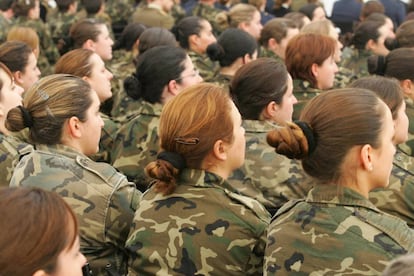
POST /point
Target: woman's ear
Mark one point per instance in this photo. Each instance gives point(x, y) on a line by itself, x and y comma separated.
point(370, 45)
point(74, 127)
point(220, 150)
point(407, 87)
point(366, 157)
point(89, 44)
point(315, 69)
point(172, 87)
point(40, 272)
point(270, 110)
point(17, 76)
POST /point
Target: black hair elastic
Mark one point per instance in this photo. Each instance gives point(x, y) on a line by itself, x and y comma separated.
point(310, 137)
point(174, 158)
point(27, 118)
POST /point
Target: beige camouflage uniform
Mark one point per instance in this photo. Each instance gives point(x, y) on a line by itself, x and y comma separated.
point(398, 198)
point(408, 146)
point(102, 199)
point(303, 92)
point(207, 68)
point(356, 62)
point(9, 157)
point(136, 143)
point(203, 228)
point(335, 231)
point(210, 14)
point(270, 178)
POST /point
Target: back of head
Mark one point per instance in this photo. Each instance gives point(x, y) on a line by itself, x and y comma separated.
point(15, 55)
point(308, 9)
point(401, 266)
point(6, 4)
point(84, 30)
point(63, 5)
point(155, 36)
point(155, 69)
point(92, 7)
point(331, 124)
point(307, 49)
point(129, 36)
point(24, 34)
point(318, 27)
point(37, 225)
point(237, 14)
point(397, 64)
point(298, 17)
point(48, 104)
point(256, 84)
point(371, 7)
point(388, 89)
point(190, 124)
point(277, 29)
point(75, 62)
point(22, 7)
point(405, 34)
point(186, 27)
point(365, 31)
point(231, 44)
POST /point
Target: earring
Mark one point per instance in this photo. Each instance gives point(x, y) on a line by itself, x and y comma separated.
point(370, 168)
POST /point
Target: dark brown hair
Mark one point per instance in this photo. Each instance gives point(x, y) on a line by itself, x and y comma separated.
point(397, 64)
point(15, 55)
point(276, 28)
point(37, 225)
point(338, 120)
point(190, 124)
point(304, 50)
point(258, 83)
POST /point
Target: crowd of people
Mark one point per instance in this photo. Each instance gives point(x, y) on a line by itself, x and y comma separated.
point(203, 137)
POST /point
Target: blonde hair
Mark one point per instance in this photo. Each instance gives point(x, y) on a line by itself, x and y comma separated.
point(26, 35)
point(239, 13)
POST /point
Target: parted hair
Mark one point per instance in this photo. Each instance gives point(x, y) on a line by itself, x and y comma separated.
point(397, 64)
point(37, 225)
point(277, 29)
point(50, 102)
point(129, 36)
point(191, 25)
point(155, 69)
point(201, 115)
point(15, 55)
point(155, 36)
point(307, 49)
point(339, 120)
point(388, 89)
point(76, 62)
point(237, 14)
point(256, 84)
point(84, 30)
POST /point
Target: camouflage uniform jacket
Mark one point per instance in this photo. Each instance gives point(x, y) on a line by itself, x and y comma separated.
point(264, 52)
point(203, 228)
point(357, 62)
point(122, 65)
point(102, 199)
point(106, 142)
point(408, 146)
point(270, 178)
point(4, 28)
point(153, 16)
point(9, 157)
point(222, 80)
point(136, 143)
point(397, 199)
point(207, 68)
point(304, 93)
point(48, 51)
point(335, 231)
point(61, 26)
point(343, 77)
point(210, 14)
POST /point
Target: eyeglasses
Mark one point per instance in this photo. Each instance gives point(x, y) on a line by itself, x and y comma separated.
point(194, 74)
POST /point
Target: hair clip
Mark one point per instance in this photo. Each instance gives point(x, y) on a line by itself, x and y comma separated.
point(43, 94)
point(187, 141)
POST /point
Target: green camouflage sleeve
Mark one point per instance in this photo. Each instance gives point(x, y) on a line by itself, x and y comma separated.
point(207, 68)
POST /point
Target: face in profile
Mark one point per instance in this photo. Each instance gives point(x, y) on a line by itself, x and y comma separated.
point(30, 75)
point(189, 76)
point(100, 78)
point(401, 125)
point(284, 110)
point(205, 37)
point(10, 96)
point(325, 73)
point(92, 127)
point(70, 261)
point(103, 43)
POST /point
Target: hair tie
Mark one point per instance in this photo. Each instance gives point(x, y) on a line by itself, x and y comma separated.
point(382, 65)
point(310, 137)
point(186, 141)
point(174, 158)
point(27, 118)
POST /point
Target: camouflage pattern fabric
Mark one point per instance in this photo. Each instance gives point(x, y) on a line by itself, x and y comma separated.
point(102, 199)
point(222, 80)
point(10, 148)
point(264, 52)
point(205, 66)
point(356, 62)
point(153, 16)
point(303, 92)
point(119, 10)
point(203, 228)
point(335, 231)
point(397, 199)
point(60, 27)
point(106, 142)
point(408, 146)
point(48, 51)
point(177, 12)
point(210, 14)
point(136, 143)
point(4, 28)
point(270, 178)
point(122, 65)
point(343, 77)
